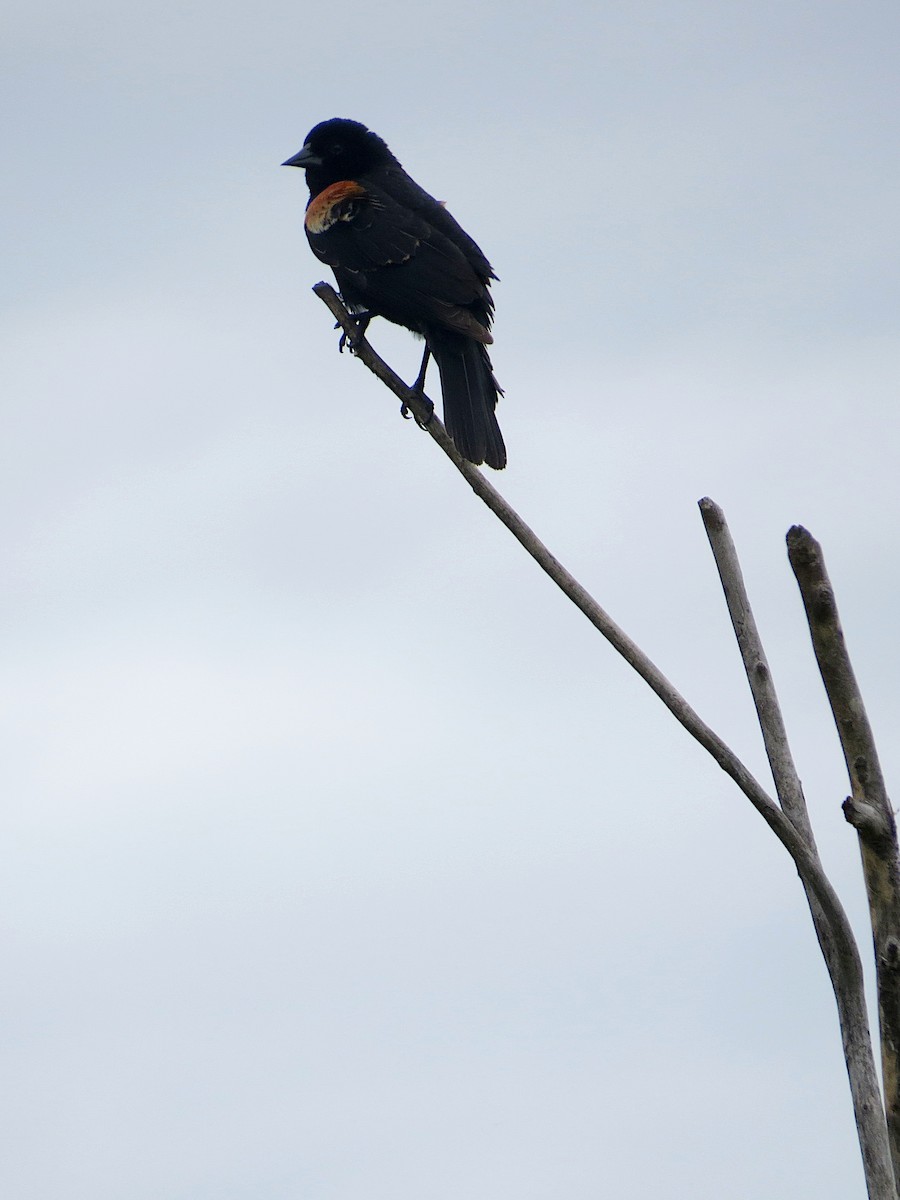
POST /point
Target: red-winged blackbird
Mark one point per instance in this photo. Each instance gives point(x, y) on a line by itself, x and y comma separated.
point(397, 253)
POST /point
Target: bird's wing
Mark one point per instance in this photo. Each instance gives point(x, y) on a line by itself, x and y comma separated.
point(401, 266)
point(404, 189)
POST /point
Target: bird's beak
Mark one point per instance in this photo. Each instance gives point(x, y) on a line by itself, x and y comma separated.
point(303, 158)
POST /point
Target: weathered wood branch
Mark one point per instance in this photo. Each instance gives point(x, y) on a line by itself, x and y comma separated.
point(846, 978)
point(868, 809)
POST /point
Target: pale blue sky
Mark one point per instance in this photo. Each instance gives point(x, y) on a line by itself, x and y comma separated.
point(341, 857)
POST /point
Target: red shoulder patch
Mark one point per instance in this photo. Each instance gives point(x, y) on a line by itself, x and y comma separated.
point(338, 202)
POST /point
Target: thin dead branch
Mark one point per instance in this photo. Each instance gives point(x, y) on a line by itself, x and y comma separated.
point(868, 809)
point(846, 979)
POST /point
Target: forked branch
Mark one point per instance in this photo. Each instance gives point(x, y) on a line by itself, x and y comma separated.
point(845, 976)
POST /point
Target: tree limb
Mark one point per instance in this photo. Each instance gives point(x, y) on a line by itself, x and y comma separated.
point(846, 980)
point(868, 809)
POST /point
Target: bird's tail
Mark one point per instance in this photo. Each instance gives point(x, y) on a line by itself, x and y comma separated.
point(470, 396)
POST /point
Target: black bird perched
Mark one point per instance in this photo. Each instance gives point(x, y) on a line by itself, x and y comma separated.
point(397, 253)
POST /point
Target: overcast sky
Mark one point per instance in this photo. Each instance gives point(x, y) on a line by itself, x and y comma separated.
point(342, 859)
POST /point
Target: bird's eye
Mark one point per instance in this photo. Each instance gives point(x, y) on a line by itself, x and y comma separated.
point(336, 149)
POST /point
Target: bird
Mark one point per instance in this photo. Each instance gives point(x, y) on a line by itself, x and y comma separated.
point(397, 253)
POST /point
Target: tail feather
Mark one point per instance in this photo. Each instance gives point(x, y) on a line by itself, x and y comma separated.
point(470, 396)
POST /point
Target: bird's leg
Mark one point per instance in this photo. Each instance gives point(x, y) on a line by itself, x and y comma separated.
point(362, 324)
point(419, 385)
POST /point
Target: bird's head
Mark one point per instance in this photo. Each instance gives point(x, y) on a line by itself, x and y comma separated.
point(339, 149)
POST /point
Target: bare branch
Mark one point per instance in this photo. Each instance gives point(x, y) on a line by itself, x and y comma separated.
point(759, 676)
point(854, 730)
point(846, 983)
point(868, 809)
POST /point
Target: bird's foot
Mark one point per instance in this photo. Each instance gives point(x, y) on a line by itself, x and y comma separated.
point(406, 414)
point(362, 324)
